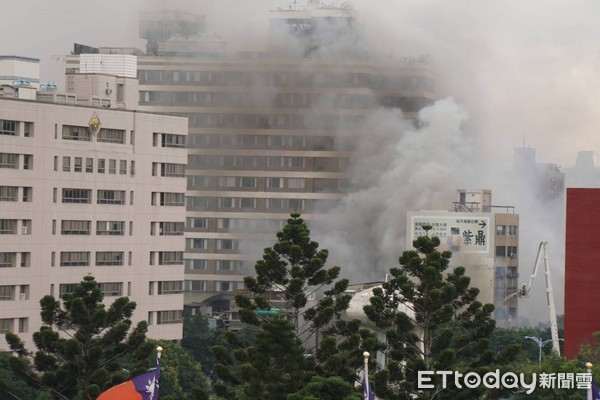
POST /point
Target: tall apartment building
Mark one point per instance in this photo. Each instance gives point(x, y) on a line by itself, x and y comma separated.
point(265, 129)
point(484, 239)
point(87, 190)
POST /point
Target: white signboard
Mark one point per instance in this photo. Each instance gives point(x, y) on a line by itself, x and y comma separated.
point(458, 232)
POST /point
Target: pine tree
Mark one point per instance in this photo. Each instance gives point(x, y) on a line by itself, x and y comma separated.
point(83, 348)
point(442, 327)
point(277, 364)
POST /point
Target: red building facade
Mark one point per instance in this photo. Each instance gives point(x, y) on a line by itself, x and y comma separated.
point(582, 268)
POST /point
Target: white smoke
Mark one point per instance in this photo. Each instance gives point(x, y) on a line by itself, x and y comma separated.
point(395, 167)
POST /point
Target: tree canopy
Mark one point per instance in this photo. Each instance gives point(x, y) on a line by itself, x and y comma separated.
point(443, 326)
point(83, 347)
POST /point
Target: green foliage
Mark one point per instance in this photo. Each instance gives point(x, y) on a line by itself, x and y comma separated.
point(277, 364)
point(198, 340)
point(82, 347)
point(334, 388)
point(181, 377)
point(432, 321)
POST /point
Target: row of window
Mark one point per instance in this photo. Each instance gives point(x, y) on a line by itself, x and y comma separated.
point(506, 251)
point(165, 317)
point(168, 169)
point(501, 230)
point(14, 193)
point(16, 161)
point(197, 161)
point(16, 128)
point(196, 202)
point(8, 324)
point(84, 227)
point(83, 258)
point(168, 140)
point(76, 195)
point(252, 99)
point(79, 166)
point(84, 133)
point(219, 286)
point(273, 121)
point(217, 265)
point(165, 287)
point(14, 292)
point(14, 226)
point(237, 225)
point(12, 259)
point(264, 141)
point(330, 185)
point(108, 289)
point(260, 78)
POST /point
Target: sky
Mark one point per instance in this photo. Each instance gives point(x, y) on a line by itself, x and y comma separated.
point(509, 74)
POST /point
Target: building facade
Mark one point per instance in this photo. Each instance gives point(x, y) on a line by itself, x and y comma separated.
point(265, 129)
point(582, 298)
point(87, 190)
point(484, 239)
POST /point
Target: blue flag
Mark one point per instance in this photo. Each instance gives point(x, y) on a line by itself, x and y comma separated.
point(595, 391)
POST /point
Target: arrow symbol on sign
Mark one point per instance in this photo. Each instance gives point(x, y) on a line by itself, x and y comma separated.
point(482, 224)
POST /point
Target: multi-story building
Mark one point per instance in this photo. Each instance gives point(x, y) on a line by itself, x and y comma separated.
point(88, 190)
point(267, 131)
point(484, 239)
point(15, 70)
point(545, 180)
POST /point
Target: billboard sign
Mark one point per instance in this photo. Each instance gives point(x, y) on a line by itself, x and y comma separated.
point(458, 232)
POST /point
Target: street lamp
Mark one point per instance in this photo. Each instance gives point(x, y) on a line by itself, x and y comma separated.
point(540, 344)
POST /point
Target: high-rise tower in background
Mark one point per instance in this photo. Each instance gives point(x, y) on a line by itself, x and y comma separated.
point(265, 128)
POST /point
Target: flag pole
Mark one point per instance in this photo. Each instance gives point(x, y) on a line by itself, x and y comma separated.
point(589, 370)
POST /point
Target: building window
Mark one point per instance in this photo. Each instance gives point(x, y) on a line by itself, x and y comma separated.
point(23, 324)
point(225, 244)
point(169, 317)
point(77, 164)
point(6, 325)
point(75, 227)
point(226, 181)
point(65, 288)
point(296, 183)
point(224, 223)
point(26, 227)
point(223, 286)
point(112, 166)
point(171, 199)
point(170, 287)
point(247, 202)
point(274, 183)
point(197, 181)
point(511, 251)
point(66, 164)
point(198, 202)
point(77, 195)
point(123, 167)
point(171, 228)
point(248, 182)
point(110, 227)
point(25, 259)
point(276, 204)
point(500, 251)
point(512, 230)
point(172, 140)
point(500, 230)
point(74, 258)
point(296, 162)
point(8, 226)
point(200, 223)
point(109, 258)
point(196, 265)
point(27, 161)
point(296, 204)
point(196, 286)
point(225, 202)
point(111, 289)
point(8, 260)
point(201, 244)
point(89, 165)
point(8, 127)
point(9, 193)
point(111, 197)
point(111, 136)
point(7, 292)
point(9, 160)
point(27, 194)
point(76, 133)
point(101, 165)
point(170, 257)
point(224, 265)
point(172, 170)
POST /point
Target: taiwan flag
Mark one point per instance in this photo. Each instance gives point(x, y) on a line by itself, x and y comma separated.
point(141, 387)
